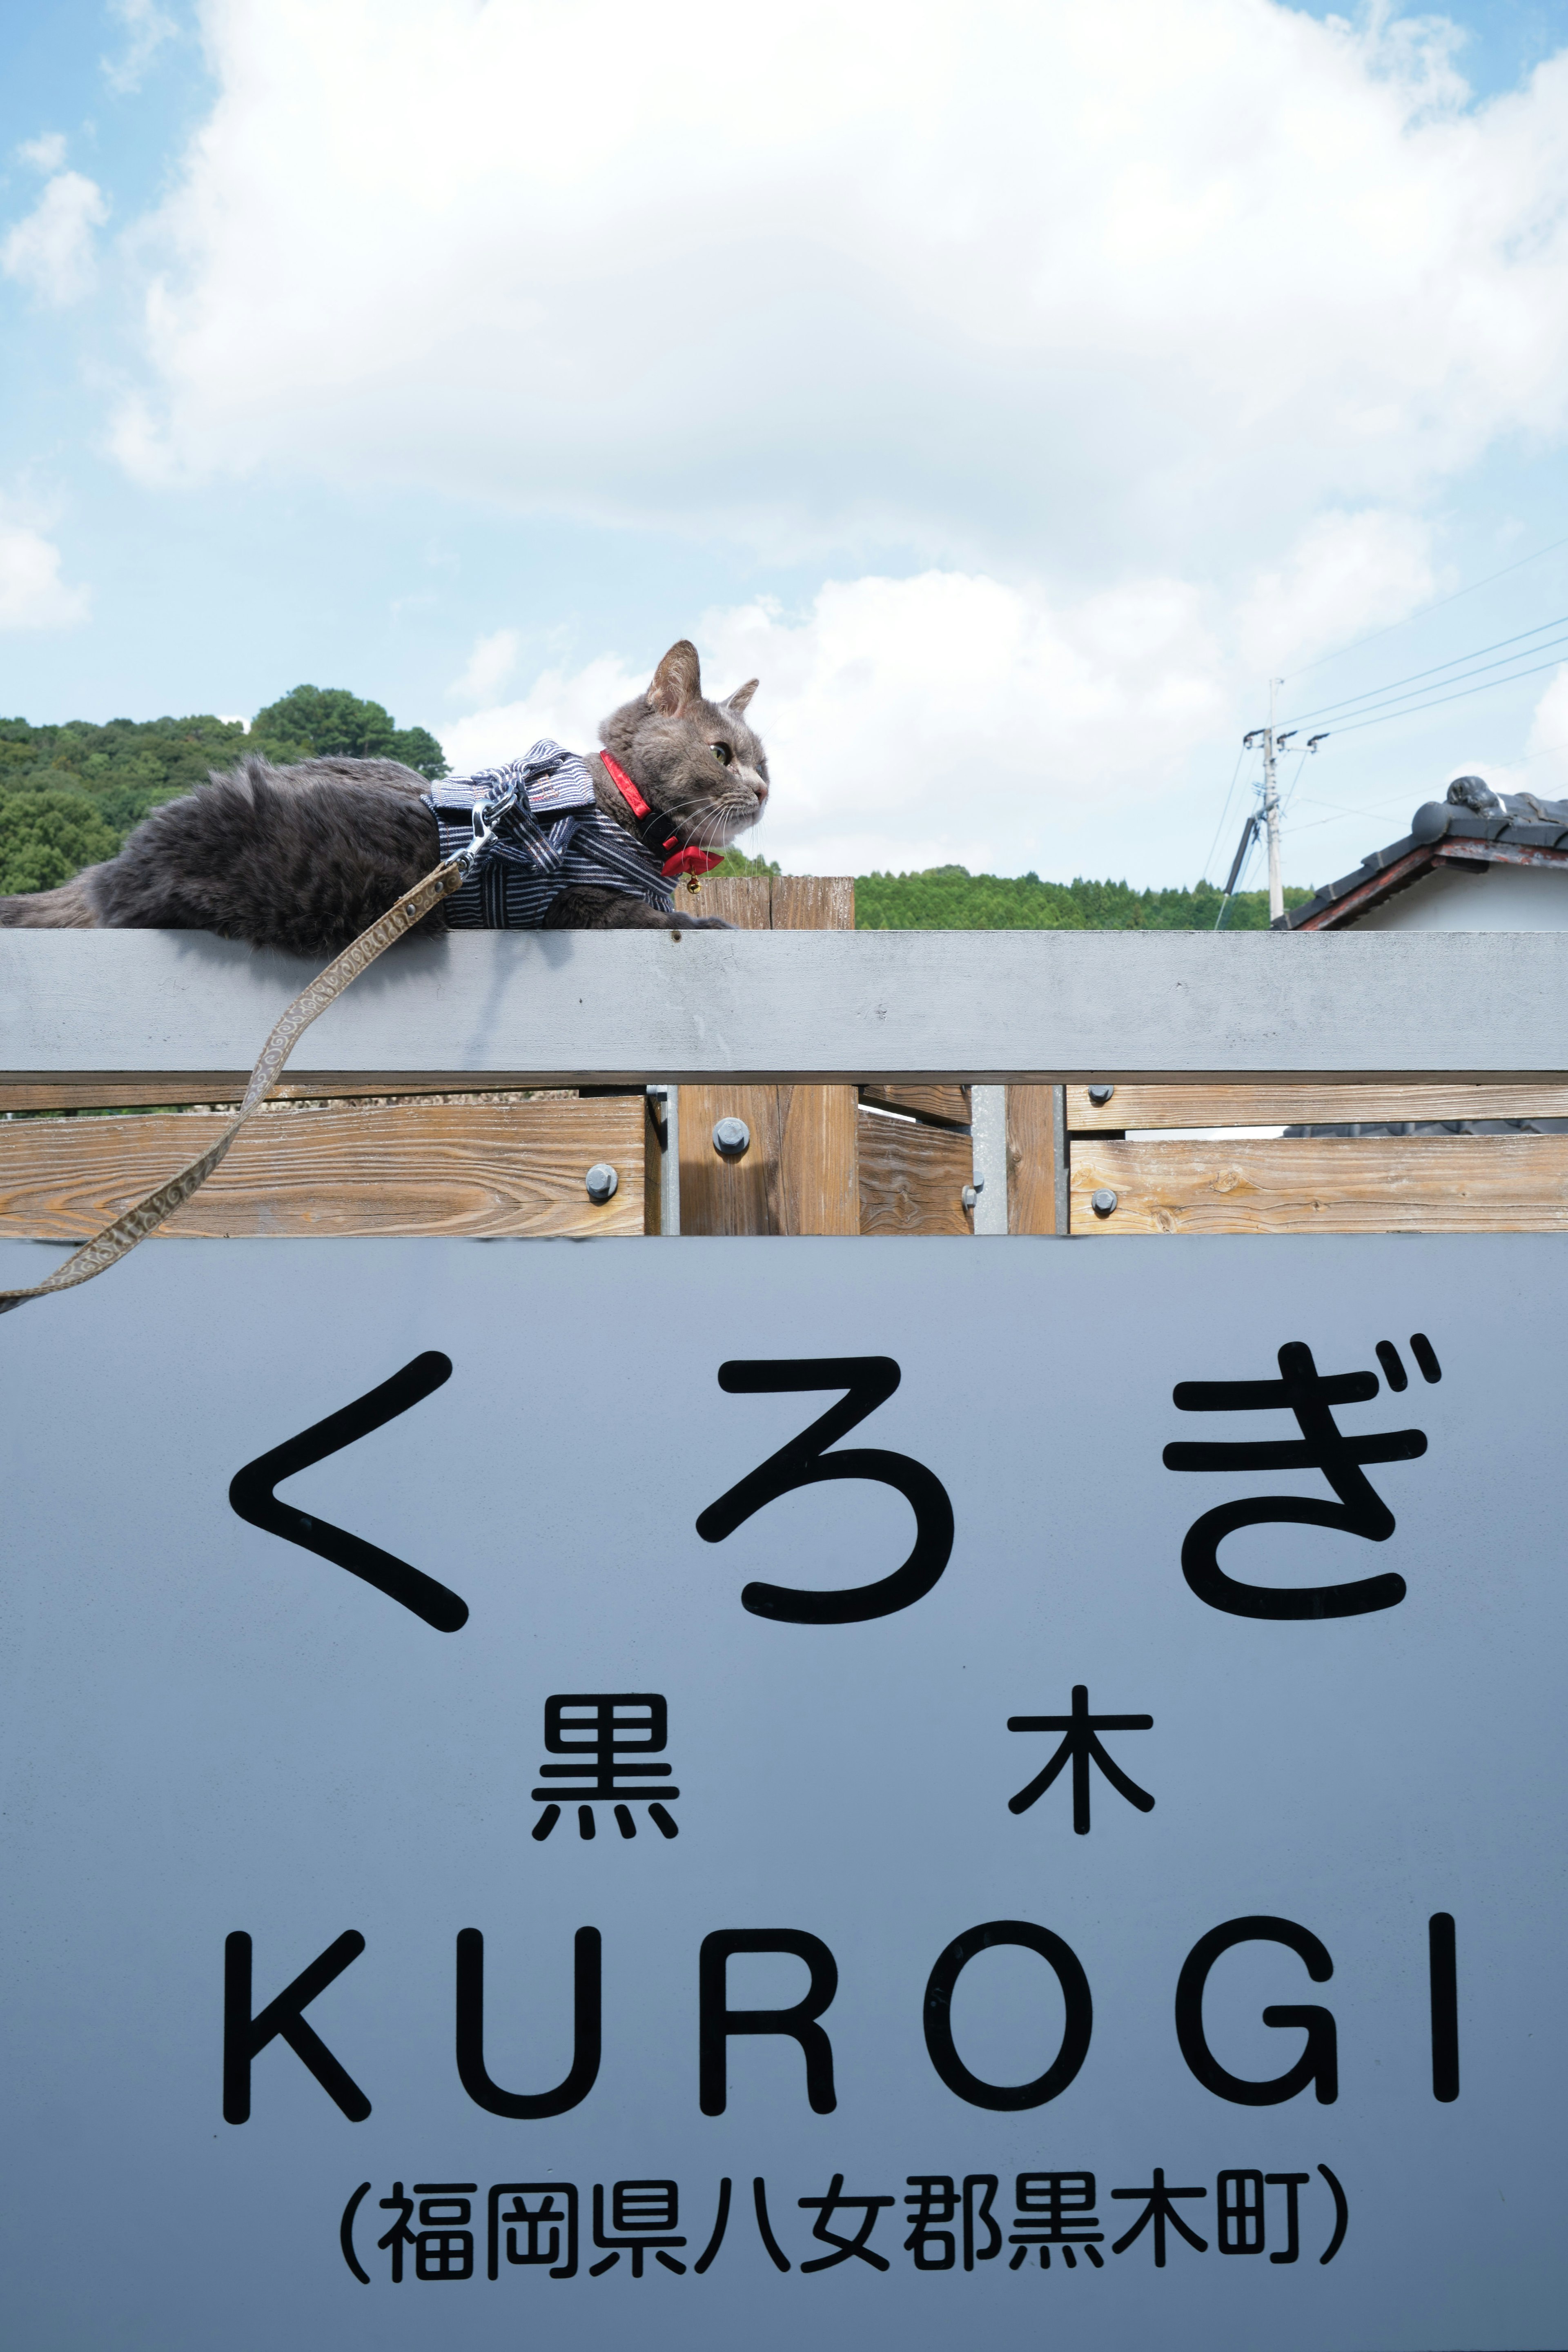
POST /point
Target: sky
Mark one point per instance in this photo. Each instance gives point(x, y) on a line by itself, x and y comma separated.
point(1015, 388)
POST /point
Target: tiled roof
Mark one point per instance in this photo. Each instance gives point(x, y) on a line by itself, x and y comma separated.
point(1471, 828)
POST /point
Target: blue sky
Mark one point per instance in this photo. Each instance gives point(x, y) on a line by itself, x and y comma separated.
point(1012, 387)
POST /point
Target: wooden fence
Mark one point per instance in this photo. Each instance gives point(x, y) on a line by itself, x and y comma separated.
point(463, 1152)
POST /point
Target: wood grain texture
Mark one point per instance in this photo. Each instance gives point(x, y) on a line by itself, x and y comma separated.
point(948, 1106)
point(411, 1169)
point(126, 1089)
point(728, 1196)
point(818, 1135)
point(655, 1137)
point(819, 1167)
point(813, 902)
point(1307, 1106)
point(799, 1174)
point(1405, 1184)
point(744, 899)
point(1031, 1159)
point(912, 1177)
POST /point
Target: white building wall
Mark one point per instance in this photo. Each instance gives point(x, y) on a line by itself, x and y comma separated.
point(1492, 899)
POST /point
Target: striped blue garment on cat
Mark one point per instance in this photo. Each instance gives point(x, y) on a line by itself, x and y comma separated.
point(561, 839)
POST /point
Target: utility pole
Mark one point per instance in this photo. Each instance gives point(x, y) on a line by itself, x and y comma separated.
point(1272, 742)
point(1271, 811)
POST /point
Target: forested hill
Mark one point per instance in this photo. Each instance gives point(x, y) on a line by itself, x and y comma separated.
point(951, 899)
point(70, 793)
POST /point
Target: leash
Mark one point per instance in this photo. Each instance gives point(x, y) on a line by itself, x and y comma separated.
point(116, 1241)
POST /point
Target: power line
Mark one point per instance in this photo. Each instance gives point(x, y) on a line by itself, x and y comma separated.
point(1374, 692)
point(1438, 700)
point(1291, 794)
point(1456, 679)
point(1342, 815)
point(1374, 634)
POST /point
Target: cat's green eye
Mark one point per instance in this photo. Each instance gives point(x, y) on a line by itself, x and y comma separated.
point(721, 753)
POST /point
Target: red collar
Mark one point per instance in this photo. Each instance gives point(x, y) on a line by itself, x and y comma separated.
point(658, 830)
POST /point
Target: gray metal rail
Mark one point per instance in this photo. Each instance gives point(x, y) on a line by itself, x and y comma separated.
point(566, 1008)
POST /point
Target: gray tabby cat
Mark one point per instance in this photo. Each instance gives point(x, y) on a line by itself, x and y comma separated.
point(305, 858)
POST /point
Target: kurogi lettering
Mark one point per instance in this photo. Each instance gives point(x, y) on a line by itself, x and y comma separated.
point(244, 2036)
point(598, 1732)
point(717, 2021)
point(1080, 1748)
point(868, 1382)
point(1360, 1511)
point(1007, 2098)
point(1317, 2063)
point(580, 2078)
point(251, 1494)
point(1159, 2209)
point(1056, 2209)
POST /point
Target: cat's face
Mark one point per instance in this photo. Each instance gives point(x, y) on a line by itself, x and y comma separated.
point(697, 761)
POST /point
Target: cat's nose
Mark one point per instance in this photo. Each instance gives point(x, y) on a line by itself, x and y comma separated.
point(760, 791)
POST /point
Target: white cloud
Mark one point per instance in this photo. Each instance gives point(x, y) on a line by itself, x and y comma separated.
point(45, 153)
point(32, 593)
point(565, 705)
point(1346, 575)
point(51, 251)
point(146, 30)
point(1545, 766)
point(944, 718)
point(1023, 283)
point(489, 667)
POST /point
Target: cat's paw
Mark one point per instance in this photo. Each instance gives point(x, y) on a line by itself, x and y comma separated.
point(702, 923)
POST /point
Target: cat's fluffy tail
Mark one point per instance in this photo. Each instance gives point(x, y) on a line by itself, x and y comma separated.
point(68, 908)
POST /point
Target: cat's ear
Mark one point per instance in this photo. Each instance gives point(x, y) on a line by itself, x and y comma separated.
point(741, 696)
point(677, 681)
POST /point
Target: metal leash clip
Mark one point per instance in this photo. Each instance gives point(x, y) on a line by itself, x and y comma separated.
point(488, 815)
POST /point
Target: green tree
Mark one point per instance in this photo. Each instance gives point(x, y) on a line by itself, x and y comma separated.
point(948, 898)
point(70, 793)
point(48, 836)
point(328, 720)
point(735, 861)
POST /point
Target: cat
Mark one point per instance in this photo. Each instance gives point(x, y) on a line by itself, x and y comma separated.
point(305, 858)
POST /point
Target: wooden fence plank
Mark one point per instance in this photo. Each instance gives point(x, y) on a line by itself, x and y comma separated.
point(744, 899)
point(819, 1168)
point(1031, 1159)
point(126, 1089)
point(728, 1196)
point(949, 1106)
point(656, 1143)
point(717, 1195)
point(820, 1173)
point(813, 902)
point(912, 1177)
point(800, 1174)
point(818, 1160)
point(1402, 1184)
point(415, 1168)
point(1307, 1106)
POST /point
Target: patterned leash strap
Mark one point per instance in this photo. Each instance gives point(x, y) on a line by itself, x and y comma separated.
point(108, 1247)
